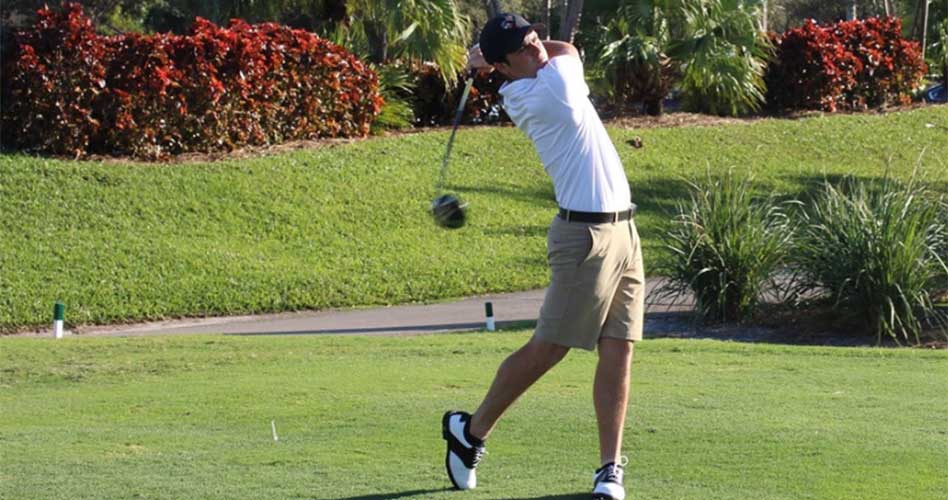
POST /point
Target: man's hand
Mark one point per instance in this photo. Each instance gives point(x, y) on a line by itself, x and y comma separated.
point(476, 61)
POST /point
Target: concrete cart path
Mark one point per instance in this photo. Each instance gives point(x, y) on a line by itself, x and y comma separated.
point(460, 315)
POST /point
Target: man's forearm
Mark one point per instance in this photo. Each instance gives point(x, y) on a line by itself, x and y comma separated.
point(557, 48)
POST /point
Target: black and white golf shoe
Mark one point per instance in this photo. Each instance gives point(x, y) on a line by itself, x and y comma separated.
point(464, 450)
point(607, 483)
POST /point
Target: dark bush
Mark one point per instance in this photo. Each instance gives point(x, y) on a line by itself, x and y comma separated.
point(434, 104)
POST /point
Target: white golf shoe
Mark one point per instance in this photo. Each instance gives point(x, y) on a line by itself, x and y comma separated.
point(464, 451)
point(607, 483)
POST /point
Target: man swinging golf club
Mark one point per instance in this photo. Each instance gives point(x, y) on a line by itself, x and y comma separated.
point(597, 287)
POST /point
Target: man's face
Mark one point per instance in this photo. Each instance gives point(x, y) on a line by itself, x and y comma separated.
point(525, 61)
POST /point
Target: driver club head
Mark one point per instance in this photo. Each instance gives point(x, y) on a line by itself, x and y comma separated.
point(449, 211)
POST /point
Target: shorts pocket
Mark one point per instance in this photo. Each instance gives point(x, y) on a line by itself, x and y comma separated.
point(566, 249)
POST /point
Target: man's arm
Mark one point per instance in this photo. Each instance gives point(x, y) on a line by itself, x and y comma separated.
point(557, 48)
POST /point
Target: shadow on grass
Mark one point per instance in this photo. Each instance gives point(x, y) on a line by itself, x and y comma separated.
point(659, 196)
point(539, 195)
point(812, 186)
point(423, 493)
point(566, 496)
point(420, 328)
point(529, 231)
point(399, 494)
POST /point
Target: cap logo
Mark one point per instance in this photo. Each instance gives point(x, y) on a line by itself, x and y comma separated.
point(508, 22)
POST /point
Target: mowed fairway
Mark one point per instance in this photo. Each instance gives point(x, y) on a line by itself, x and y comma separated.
point(347, 225)
point(358, 418)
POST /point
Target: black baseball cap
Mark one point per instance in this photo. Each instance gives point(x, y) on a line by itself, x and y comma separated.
point(504, 34)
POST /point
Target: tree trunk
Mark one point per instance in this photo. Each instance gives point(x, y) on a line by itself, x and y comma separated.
point(546, 17)
point(378, 41)
point(569, 19)
point(924, 29)
point(763, 16)
point(917, 18)
point(654, 107)
point(492, 7)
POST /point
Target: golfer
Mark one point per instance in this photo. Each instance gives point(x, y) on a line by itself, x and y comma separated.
point(597, 287)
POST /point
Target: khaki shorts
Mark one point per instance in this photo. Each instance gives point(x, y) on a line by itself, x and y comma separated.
point(597, 285)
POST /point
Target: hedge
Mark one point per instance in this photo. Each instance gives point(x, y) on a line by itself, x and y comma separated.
point(846, 65)
point(67, 90)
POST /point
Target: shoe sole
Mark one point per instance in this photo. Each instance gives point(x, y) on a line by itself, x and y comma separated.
point(445, 433)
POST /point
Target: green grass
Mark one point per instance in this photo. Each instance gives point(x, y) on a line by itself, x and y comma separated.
point(347, 225)
point(358, 417)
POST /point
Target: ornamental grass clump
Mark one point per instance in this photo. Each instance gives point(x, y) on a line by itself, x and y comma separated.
point(726, 248)
point(878, 254)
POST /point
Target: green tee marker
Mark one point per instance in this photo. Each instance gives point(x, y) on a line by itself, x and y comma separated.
point(59, 314)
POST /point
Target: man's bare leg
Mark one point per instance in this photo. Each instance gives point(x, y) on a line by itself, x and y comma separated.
point(514, 376)
point(611, 395)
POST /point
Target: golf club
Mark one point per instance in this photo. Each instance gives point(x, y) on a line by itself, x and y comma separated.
point(454, 129)
point(448, 210)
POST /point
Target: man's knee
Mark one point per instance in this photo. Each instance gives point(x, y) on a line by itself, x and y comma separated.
point(545, 353)
point(619, 349)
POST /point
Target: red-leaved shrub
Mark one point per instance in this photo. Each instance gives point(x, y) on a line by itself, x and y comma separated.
point(53, 78)
point(846, 65)
point(215, 89)
point(144, 109)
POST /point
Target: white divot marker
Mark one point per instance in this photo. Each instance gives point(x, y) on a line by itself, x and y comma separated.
point(59, 312)
point(273, 427)
point(489, 309)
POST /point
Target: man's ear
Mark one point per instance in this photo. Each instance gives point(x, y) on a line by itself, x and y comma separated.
point(502, 68)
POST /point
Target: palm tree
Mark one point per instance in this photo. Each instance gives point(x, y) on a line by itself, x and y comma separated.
point(724, 56)
point(629, 50)
point(715, 45)
point(413, 30)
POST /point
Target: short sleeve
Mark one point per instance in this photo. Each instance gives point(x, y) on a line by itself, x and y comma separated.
point(565, 79)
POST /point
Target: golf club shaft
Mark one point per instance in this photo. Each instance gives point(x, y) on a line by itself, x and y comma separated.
point(454, 129)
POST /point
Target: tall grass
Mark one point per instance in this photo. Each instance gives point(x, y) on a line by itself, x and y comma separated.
point(726, 247)
point(879, 254)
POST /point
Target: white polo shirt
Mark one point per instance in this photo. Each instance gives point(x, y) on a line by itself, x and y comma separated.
point(554, 111)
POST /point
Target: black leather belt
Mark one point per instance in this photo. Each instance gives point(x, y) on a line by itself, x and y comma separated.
point(597, 217)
